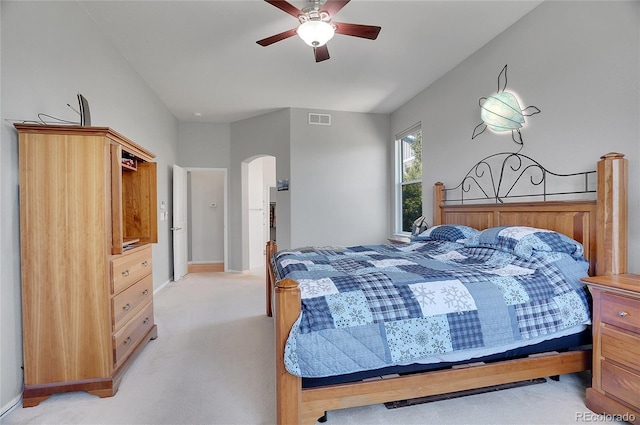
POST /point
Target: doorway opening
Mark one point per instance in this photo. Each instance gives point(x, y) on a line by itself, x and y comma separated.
point(259, 222)
point(200, 236)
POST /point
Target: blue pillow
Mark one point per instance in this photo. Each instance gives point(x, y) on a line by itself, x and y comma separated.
point(523, 241)
point(446, 232)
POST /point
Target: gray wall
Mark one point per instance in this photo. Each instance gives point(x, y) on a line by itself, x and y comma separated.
point(339, 179)
point(206, 222)
point(51, 51)
point(579, 62)
point(204, 144)
point(267, 134)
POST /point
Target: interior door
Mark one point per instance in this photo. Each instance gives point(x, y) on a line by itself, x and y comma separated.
point(179, 229)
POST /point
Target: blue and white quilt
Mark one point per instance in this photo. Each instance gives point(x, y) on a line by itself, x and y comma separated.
point(452, 290)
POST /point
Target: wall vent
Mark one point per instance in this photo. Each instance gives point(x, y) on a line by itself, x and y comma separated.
point(319, 119)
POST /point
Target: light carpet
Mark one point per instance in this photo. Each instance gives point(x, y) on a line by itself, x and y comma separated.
point(213, 363)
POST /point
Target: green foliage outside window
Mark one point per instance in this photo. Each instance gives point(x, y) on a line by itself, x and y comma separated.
point(411, 154)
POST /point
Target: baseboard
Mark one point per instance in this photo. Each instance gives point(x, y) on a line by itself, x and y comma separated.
point(161, 287)
point(11, 405)
point(205, 267)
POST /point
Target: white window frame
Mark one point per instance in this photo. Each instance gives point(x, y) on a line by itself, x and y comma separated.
point(398, 183)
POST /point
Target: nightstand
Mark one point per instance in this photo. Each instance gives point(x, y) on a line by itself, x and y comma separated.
point(615, 388)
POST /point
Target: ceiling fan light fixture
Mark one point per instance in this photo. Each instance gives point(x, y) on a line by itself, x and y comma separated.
point(316, 33)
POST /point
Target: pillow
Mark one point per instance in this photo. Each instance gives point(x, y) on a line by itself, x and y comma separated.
point(446, 232)
point(523, 241)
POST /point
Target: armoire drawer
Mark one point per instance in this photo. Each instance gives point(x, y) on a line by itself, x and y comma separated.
point(129, 268)
point(128, 338)
point(128, 302)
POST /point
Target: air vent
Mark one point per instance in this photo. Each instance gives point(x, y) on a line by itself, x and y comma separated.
point(319, 119)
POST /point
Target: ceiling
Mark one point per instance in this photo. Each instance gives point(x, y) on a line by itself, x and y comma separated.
point(201, 57)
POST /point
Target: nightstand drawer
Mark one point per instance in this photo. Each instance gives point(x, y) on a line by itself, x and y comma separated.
point(621, 383)
point(621, 347)
point(128, 302)
point(621, 311)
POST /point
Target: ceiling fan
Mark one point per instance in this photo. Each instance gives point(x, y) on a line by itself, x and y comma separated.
point(316, 27)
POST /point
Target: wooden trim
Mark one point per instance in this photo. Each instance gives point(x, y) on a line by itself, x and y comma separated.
point(117, 236)
point(438, 202)
point(205, 267)
point(288, 387)
point(272, 248)
point(601, 404)
point(576, 219)
point(612, 214)
point(32, 395)
point(605, 250)
point(130, 145)
point(318, 400)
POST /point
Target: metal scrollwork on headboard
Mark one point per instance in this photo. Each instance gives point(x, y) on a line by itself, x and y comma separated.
point(513, 175)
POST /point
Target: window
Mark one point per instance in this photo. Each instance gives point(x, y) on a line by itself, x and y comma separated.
point(409, 178)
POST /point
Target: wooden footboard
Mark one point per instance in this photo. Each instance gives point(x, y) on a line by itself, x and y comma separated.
point(607, 219)
point(296, 405)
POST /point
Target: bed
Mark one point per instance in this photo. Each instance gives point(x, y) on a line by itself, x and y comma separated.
point(598, 226)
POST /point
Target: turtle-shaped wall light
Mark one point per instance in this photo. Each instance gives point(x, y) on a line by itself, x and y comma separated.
point(501, 112)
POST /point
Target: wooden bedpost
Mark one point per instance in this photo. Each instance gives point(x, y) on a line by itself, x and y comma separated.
point(438, 200)
point(612, 215)
point(272, 248)
point(288, 387)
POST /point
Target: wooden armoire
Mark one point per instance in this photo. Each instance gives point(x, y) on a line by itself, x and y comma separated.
point(88, 217)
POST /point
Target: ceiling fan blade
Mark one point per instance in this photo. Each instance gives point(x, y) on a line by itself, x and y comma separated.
point(287, 7)
point(275, 38)
point(321, 53)
point(333, 6)
point(357, 30)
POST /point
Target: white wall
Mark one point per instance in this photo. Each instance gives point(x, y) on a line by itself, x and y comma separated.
point(51, 51)
point(579, 62)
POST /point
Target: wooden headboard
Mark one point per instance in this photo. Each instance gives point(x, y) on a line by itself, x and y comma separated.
point(600, 225)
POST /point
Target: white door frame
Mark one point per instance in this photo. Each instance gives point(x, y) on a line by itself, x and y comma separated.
point(246, 245)
point(179, 223)
point(225, 172)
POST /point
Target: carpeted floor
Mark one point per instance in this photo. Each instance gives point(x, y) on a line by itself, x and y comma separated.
point(213, 364)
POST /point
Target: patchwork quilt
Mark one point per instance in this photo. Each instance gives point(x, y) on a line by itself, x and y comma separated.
point(368, 307)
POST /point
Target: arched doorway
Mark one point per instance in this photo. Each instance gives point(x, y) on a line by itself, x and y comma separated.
point(258, 181)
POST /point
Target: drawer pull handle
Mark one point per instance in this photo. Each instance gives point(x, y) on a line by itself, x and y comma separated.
point(145, 263)
point(145, 292)
point(127, 307)
point(127, 341)
point(125, 273)
point(623, 314)
point(146, 321)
